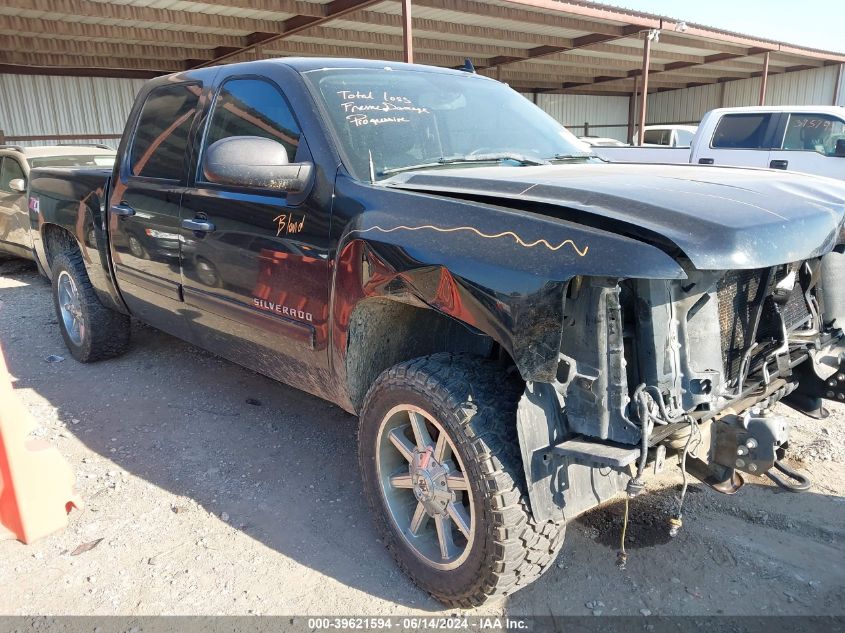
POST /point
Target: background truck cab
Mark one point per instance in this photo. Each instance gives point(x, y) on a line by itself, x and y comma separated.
point(808, 139)
point(666, 135)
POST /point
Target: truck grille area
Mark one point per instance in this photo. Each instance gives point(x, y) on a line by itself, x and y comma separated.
point(740, 295)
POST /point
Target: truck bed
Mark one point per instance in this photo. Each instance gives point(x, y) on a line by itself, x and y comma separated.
point(74, 199)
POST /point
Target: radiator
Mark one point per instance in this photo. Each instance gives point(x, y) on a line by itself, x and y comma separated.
point(740, 294)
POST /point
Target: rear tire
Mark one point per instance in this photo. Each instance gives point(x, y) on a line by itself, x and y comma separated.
point(499, 547)
point(90, 330)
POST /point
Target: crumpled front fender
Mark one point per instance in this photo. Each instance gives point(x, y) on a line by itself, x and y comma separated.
point(501, 271)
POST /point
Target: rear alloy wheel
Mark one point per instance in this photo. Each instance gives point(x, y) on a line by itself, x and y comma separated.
point(442, 472)
point(70, 308)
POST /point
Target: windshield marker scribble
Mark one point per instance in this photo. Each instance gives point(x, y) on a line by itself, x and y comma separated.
point(517, 238)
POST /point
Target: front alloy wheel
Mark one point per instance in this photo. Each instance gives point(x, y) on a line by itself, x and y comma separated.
point(442, 472)
point(425, 488)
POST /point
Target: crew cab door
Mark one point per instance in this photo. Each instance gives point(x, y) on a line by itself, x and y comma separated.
point(739, 139)
point(808, 143)
point(144, 207)
point(254, 260)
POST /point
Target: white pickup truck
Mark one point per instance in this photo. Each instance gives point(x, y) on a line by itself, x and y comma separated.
point(807, 139)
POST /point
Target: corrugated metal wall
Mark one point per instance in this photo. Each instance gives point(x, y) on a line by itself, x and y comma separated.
point(34, 105)
point(840, 98)
point(806, 87)
point(687, 105)
point(574, 111)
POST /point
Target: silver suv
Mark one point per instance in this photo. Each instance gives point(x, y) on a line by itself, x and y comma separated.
point(15, 164)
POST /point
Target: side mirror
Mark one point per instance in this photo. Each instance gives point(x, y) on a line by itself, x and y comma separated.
point(252, 161)
point(840, 148)
point(18, 184)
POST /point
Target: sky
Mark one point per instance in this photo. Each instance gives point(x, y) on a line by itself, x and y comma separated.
point(811, 23)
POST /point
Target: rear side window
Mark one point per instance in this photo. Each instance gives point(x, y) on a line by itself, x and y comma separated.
point(813, 133)
point(658, 137)
point(9, 170)
point(161, 137)
point(741, 131)
point(253, 107)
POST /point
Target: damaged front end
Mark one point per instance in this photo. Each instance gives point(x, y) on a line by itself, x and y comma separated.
point(690, 367)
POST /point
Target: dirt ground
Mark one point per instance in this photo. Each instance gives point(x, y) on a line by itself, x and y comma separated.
point(218, 491)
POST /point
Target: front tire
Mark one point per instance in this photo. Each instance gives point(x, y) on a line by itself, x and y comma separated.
point(90, 330)
point(442, 472)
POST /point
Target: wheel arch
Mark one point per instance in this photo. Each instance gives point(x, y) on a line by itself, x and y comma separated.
point(436, 307)
point(55, 238)
point(385, 331)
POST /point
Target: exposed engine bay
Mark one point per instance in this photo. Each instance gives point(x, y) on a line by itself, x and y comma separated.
point(689, 367)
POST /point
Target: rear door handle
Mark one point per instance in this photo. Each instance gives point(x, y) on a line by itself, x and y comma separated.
point(202, 226)
point(122, 209)
point(779, 164)
point(706, 161)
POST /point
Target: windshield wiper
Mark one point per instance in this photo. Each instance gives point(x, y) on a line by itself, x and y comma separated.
point(468, 159)
point(577, 156)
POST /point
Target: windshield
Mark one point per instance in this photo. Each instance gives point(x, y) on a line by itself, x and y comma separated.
point(406, 119)
point(73, 160)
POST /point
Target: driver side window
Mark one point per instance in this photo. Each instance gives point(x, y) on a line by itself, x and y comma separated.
point(9, 171)
point(253, 107)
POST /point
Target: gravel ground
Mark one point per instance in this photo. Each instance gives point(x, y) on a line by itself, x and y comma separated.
point(210, 489)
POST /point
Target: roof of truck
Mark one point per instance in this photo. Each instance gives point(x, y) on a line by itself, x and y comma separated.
point(309, 64)
point(304, 64)
point(839, 110)
point(672, 126)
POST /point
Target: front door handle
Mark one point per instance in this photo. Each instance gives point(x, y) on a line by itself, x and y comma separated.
point(203, 226)
point(122, 209)
point(706, 161)
point(779, 164)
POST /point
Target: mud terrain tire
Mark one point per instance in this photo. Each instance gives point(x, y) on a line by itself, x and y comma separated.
point(475, 402)
point(104, 333)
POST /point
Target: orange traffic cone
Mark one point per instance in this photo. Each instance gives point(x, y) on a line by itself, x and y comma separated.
point(36, 483)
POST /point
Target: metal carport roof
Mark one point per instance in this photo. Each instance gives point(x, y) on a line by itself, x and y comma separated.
point(535, 45)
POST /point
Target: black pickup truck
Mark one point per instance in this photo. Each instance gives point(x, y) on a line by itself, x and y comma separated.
point(522, 328)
